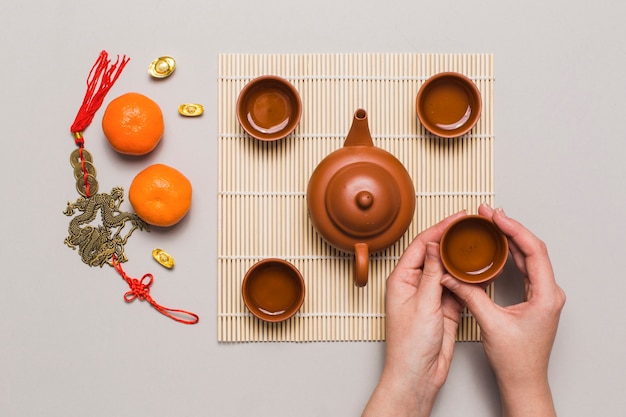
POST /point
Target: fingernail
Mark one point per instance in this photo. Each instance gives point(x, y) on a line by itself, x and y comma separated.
point(500, 211)
point(448, 281)
point(485, 204)
point(432, 249)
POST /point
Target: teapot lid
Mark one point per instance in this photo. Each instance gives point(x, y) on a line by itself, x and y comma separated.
point(359, 199)
point(361, 194)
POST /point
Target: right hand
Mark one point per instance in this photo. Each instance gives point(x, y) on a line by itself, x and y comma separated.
point(518, 339)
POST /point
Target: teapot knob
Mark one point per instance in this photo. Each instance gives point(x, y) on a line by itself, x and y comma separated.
point(364, 199)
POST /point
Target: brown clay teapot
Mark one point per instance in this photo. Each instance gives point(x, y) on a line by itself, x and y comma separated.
point(360, 198)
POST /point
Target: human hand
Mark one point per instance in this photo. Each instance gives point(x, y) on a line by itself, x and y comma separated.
point(518, 339)
point(422, 320)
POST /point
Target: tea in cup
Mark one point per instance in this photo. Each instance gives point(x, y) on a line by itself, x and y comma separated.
point(273, 290)
point(473, 249)
point(448, 104)
point(269, 108)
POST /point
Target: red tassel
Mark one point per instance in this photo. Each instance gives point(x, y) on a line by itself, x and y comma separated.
point(101, 78)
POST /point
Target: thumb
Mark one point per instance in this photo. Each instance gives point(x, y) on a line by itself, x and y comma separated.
point(429, 286)
point(474, 297)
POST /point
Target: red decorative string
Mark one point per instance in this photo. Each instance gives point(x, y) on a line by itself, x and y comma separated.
point(101, 78)
point(140, 288)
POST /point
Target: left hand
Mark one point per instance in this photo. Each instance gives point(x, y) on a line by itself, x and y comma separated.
point(422, 320)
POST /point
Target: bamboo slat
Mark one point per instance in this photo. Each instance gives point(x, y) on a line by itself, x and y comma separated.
point(262, 186)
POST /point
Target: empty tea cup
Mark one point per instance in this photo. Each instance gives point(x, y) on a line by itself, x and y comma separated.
point(448, 104)
point(473, 249)
point(269, 108)
point(273, 290)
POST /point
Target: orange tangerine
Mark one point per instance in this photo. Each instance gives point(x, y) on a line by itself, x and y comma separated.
point(160, 195)
point(133, 124)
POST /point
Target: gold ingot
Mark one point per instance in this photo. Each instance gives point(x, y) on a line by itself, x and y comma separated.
point(190, 109)
point(163, 258)
point(162, 67)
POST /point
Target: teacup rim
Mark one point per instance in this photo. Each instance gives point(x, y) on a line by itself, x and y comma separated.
point(496, 269)
point(475, 114)
point(297, 102)
point(298, 302)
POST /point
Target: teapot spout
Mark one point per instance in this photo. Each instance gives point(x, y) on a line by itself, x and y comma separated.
point(359, 134)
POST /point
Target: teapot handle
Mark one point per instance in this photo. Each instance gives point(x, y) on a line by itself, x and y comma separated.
point(361, 264)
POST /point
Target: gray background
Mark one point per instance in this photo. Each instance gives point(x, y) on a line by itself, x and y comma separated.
point(70, 346)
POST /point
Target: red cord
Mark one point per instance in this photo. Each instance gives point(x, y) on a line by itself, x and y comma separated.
point(101, 78)
point(140, 288)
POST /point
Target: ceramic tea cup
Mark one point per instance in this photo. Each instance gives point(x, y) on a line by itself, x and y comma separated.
point(448, 104)
point(473, 249)
point(269, 108)
point(273, 290)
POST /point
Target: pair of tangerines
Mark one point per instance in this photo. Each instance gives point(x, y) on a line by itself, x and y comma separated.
point(133, 125)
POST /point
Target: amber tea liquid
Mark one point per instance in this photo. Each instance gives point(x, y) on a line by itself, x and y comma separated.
point(473, 248)
point(270, 110)
point(273, 290)
point(448, 105)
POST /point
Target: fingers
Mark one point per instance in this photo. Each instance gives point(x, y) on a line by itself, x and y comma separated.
point(429, 286)
point(452, 305)
point(414, 255)
point(518, 256)
point(474, 297)
point(536, 260)
point(485, 210)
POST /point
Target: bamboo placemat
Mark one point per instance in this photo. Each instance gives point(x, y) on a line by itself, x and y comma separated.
point(262, 186)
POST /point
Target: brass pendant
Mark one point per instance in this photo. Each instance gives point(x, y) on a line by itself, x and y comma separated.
point(81, 168)
point(97, 244)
